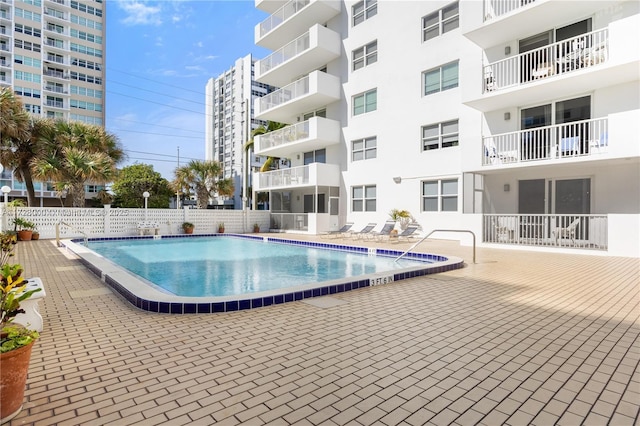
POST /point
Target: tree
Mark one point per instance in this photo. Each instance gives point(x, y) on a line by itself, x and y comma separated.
point(132, 181)
point(271, 127)
point(74, 153)
point(203, 177)
point(20, 139)
point(268, 164)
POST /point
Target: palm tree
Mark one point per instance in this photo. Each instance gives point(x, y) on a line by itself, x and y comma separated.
point(248, 147)
point(204, 178)
point(19, 139)
point(74, 153)
point(271, 127)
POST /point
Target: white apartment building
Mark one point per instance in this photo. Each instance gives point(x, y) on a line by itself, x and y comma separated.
point(518, 120)
point(229, 98)
point(52, 54)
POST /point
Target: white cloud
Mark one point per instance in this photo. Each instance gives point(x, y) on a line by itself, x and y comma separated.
point(139, 13)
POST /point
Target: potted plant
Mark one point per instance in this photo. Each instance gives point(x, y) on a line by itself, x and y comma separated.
point(24, 228)
point(35, 235)
point(187, 227)
point(221, 228)
point(401, 216)
point(16, 340)
point(256, 228)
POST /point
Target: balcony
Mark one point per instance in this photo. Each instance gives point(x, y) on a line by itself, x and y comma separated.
point(270, 6)
point(56, 44)
point(567, 56)
point(579, 139)
point(56, 89)
point(56, 74)
point(56, 14)
point(54, 104)
point(308, 52)
point(320, 174)
point(580, 231)
point(57, 59)
point(315, 133)
point(292, 20)
point(311, 92)
point(494, 22)
point(594, 60)
point(5, 79)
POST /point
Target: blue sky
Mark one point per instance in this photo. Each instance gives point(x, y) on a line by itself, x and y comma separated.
point(160, 55)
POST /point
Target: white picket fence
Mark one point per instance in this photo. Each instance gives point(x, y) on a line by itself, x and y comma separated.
point(110, 222)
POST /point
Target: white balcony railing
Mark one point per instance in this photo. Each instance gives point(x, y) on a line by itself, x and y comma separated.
point(583, 51)
point(281, 15)
point(284, 177)
point(585, 231)
point(285, 135)
point(495, 8)
point(294, 90)
point(285, 53)
point(560, 141)
point(289, 221)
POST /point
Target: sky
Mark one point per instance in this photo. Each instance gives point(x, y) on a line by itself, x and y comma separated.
point(159, 57)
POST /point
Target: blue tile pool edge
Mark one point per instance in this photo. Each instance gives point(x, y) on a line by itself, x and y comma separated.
point(146, 297)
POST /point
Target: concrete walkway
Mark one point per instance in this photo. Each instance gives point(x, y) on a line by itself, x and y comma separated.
point(518, 338)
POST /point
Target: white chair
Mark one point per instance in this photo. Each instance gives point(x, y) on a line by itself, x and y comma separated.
point(568, 232)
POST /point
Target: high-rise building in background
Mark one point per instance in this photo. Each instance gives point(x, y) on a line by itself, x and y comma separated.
point(52, 54)
point(517, 120)
point(230, 120)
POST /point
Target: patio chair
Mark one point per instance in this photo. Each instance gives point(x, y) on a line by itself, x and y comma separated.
point(363, 232)
point(336, 234)
point(407, 234)
point(384, 232)
point(568, 232)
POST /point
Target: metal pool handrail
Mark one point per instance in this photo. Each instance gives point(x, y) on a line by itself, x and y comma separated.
point(86, 239)
point(442, 230)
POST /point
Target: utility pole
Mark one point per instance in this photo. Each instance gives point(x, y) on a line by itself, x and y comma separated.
point(178, 189)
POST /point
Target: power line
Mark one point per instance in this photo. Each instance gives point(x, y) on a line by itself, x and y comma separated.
point(159, 93)
point(157, 134)
point(159, 103)
point(158, 125)
point(155, 81)
point(161, 155)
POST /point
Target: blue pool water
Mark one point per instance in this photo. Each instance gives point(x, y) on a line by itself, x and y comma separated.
point(215, 266)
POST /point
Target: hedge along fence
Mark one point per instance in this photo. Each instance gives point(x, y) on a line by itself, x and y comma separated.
point(112, 222)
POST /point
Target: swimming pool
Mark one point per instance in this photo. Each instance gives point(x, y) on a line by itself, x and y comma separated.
point(171, 274)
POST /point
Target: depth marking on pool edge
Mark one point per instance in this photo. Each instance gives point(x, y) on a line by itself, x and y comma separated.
point(386, 279)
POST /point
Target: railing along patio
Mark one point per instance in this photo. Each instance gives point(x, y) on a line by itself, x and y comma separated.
point(583, 51)
point(584, 231)
point(285, 135)
point(289, 92)
point(288, 51)
point(495, 8)
point(281, 15)
point(560, 141)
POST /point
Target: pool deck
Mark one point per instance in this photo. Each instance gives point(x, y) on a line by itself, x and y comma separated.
point(520, 337)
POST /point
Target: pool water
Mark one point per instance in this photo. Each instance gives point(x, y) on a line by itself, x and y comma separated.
point(214, 266)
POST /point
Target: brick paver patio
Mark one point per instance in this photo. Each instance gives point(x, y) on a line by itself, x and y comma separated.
point(519, 338)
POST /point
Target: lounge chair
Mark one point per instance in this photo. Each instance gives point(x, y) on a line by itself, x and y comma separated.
point(363, 232)
point(568, 232)
point(384, 232)
point(408, 233)
point(336, 234)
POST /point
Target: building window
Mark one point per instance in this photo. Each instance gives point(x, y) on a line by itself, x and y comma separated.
point(364, 10)
point(365, 102)
point(366, 55)
point(363, 149)
point(317, 156)
point(440, 135)
point(440, 195)
point(442, 78)
point(363, 198)
point(440, 22)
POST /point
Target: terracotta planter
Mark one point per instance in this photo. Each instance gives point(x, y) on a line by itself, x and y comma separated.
point(25, 235)
point(35, 236)
point(188, 230)
point(256, 229)
point(13, 379)
point(220, 230)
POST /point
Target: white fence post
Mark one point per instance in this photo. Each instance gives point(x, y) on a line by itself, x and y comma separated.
point(107, 219)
